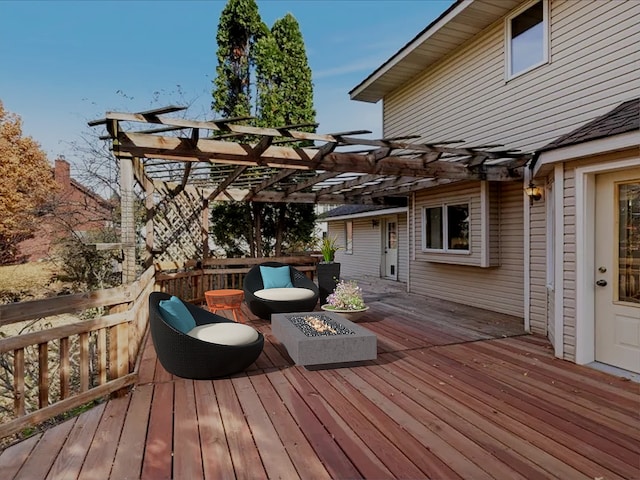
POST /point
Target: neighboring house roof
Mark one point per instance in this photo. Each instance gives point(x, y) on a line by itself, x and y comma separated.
point(90, 193)
point(462, 21)
point(622, 119)
point(359, 211)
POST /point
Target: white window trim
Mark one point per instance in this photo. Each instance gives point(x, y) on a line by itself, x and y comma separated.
point(445, 231)
point(545, 39)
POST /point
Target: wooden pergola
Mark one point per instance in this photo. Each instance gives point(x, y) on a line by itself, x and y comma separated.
point(220, 160)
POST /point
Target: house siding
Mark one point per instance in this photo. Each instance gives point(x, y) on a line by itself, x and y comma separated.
point(366, 258)
point(538, 268)
point(499, 289)
point(593, 68)
point(569, 255)
point(569, 265)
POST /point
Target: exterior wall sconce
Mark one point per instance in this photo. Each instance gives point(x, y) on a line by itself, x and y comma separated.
point(375, 222)
point(533, 192)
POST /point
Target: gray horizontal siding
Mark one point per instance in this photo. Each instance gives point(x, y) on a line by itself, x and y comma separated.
point(594, 66)
point(500, 289)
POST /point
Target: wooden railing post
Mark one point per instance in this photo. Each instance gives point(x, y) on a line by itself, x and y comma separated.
point(43, 382)
point(18, 381)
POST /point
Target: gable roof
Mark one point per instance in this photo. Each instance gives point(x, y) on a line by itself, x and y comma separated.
point(461, 22)
point(622, 119)
point(616, 130)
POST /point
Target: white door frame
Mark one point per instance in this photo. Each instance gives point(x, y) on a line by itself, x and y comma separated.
point(585, 189)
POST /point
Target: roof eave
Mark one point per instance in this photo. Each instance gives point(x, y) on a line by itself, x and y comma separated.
point(588, 149)
point(427, 49)
point(366, 90)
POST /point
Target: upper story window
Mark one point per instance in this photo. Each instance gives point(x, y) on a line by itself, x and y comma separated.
point(446, 228)
point(527, 38)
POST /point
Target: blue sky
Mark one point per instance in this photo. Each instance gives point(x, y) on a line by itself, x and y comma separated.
point(67, 62)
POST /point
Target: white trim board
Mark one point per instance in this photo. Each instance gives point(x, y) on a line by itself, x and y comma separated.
point(588, 149)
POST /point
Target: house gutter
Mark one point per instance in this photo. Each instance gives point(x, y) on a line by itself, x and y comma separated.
point(372, 213)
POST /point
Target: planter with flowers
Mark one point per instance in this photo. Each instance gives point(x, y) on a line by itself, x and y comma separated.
point(346, 300)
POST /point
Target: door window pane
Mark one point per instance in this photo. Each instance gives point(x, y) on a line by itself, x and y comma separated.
point(629, 242)
point(392, 236)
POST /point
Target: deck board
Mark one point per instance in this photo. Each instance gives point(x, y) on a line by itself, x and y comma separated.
point(455, 393)
point(41, 458)
point(157, 463)
point(102, 451)
point(69, 462)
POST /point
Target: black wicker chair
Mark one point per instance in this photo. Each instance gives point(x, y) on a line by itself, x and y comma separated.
point(264, 308)
point(189, 357)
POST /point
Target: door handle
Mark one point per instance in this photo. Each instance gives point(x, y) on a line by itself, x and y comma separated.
point(601, 283)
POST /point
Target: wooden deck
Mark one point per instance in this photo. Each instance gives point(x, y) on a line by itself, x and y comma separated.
point(455, 392)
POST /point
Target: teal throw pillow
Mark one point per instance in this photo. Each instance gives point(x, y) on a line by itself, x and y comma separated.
point(176, 314)
point(276, 277)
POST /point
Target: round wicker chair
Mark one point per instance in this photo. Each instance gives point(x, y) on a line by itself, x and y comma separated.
point(189, 357)
point(264, 308)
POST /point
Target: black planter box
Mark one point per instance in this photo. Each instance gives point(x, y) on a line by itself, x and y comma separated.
point(328, 278)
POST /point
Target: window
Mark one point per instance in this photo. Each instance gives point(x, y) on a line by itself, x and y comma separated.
point(527, 33)
point(348, 235)
point(446, 228)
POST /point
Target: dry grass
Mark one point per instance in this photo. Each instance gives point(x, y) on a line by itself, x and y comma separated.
point(28, 281)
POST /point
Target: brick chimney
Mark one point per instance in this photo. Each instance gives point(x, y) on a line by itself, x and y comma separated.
point(62, 173)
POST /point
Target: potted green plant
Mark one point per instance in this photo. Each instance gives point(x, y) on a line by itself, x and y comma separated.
point(346, 299)
point(328, 248)
point(328, 269)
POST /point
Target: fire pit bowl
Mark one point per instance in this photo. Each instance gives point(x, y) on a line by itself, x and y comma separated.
point(319, 338)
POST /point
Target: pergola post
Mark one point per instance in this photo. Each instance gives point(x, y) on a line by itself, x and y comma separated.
point(128, 229)
point(205, 227)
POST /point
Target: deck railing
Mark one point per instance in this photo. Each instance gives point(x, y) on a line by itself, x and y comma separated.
point(89, 347)
point(189, 281)
point(74, 360)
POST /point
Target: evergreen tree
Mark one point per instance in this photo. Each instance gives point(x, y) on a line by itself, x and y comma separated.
point(239, 28)
point(283, 76)
point(284, 96)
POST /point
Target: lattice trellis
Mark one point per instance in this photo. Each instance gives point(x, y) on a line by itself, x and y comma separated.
point(178, 228)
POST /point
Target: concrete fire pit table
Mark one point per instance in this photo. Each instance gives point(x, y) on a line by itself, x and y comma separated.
point(341, 341)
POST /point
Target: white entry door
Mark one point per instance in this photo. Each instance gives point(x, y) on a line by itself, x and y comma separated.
point(390, 253)
point(617, 263)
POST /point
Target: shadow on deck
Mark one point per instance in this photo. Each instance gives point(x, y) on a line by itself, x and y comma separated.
point(456, 392)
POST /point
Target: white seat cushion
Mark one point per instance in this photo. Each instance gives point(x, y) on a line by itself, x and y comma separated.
point(284, 294)
point(226, 333)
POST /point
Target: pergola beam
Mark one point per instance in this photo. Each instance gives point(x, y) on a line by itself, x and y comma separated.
point(275, 178)
point(179, 149)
